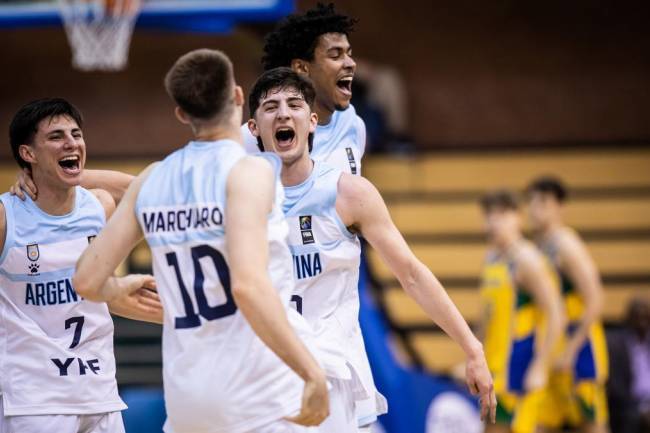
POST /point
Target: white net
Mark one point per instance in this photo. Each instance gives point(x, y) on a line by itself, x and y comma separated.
point(99, 32)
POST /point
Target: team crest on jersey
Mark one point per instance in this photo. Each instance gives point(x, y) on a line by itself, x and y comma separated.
point(91, 237)
point(32, 252)
point(305, 229)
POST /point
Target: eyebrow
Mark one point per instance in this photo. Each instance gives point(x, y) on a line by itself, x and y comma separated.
point(340, 48)
point(62, 131)
point(289, 99)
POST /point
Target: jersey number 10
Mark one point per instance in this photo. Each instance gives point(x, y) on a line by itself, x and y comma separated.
point(208, 312)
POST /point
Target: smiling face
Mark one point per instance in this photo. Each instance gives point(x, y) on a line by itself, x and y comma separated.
point(57, 153)
point(284, 121)
point(332, 71)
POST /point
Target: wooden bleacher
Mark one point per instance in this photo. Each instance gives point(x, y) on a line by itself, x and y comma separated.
point(433, 200)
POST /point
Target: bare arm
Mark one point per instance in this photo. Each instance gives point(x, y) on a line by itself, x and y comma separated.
point(3, 226)
point(576, 262)
point(361, 207)
point(93, 277)
point(533, 277)
point(113, 182)
point(250, 192)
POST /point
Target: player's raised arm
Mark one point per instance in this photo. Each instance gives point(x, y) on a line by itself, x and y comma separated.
point(250, 192)
point(534, 278)
point(111, 181)
point(362, 209)
point(93, 277)
point(576, 262)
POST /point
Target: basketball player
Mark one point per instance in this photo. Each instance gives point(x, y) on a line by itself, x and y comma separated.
point(57, 369)
point(578, 393)
point(315, 44)
point(327, 210)
point(212, 218)
point(523, 316)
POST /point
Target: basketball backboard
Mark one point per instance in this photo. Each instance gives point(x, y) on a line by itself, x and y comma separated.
point(211, 16)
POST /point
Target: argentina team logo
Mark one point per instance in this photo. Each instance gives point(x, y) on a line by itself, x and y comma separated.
point(32, 252)
point(305, 229)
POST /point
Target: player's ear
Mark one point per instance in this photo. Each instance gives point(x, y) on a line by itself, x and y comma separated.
point(313, 121)
point(26, 152)
point(252, 127)
point(300, 66)
point(239, 96)
point(181, 116)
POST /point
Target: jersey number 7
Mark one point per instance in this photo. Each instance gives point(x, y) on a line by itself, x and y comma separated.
point(208, 312)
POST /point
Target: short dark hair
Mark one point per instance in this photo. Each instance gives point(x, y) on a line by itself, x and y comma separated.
point(503, 199)
point(549, 185)
point(280, 79)
point(200, 83)
point(24, 124)
point(296, 36)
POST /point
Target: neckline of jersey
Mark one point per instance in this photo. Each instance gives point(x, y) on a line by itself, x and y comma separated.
point(56, 217)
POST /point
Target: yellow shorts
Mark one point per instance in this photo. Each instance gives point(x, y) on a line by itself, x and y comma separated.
point(520, 412)
point(573, 404)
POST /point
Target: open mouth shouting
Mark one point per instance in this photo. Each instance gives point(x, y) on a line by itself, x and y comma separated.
point(71, 165)
point(344, 85)
point(284, 136)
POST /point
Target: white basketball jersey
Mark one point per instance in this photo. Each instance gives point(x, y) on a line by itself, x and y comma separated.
point(56, 349)
point(341, 143)
point(326, 260)
point(218, 375)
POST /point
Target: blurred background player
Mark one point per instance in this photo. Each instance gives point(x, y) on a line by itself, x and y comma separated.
point(581, 396)
point(327, 210)
point(315, 44)
point(58, 367)
point(628, 387)
point(203, 203)
point(523, 317)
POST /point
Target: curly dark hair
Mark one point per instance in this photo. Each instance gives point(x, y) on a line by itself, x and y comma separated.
point(296, 36)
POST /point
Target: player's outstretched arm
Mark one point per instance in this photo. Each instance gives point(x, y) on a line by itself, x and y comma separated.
point(250, 192)
point(362, 208)
point(114, 182)
point(576, 262)
point(93, 277)
point(533, 277)
point(3, 226)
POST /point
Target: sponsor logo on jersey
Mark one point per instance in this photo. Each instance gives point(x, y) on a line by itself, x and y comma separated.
point(305, 229)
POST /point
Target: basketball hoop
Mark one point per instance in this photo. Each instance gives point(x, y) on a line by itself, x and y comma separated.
point(99, 32)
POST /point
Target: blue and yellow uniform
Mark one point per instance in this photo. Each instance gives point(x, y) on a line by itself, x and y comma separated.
point(578, 396)
point(513, 330)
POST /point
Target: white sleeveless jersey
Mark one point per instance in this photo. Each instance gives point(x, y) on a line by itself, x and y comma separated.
point(326, 260)
point(218, 375)
point(56, 349)
point(341, 143)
